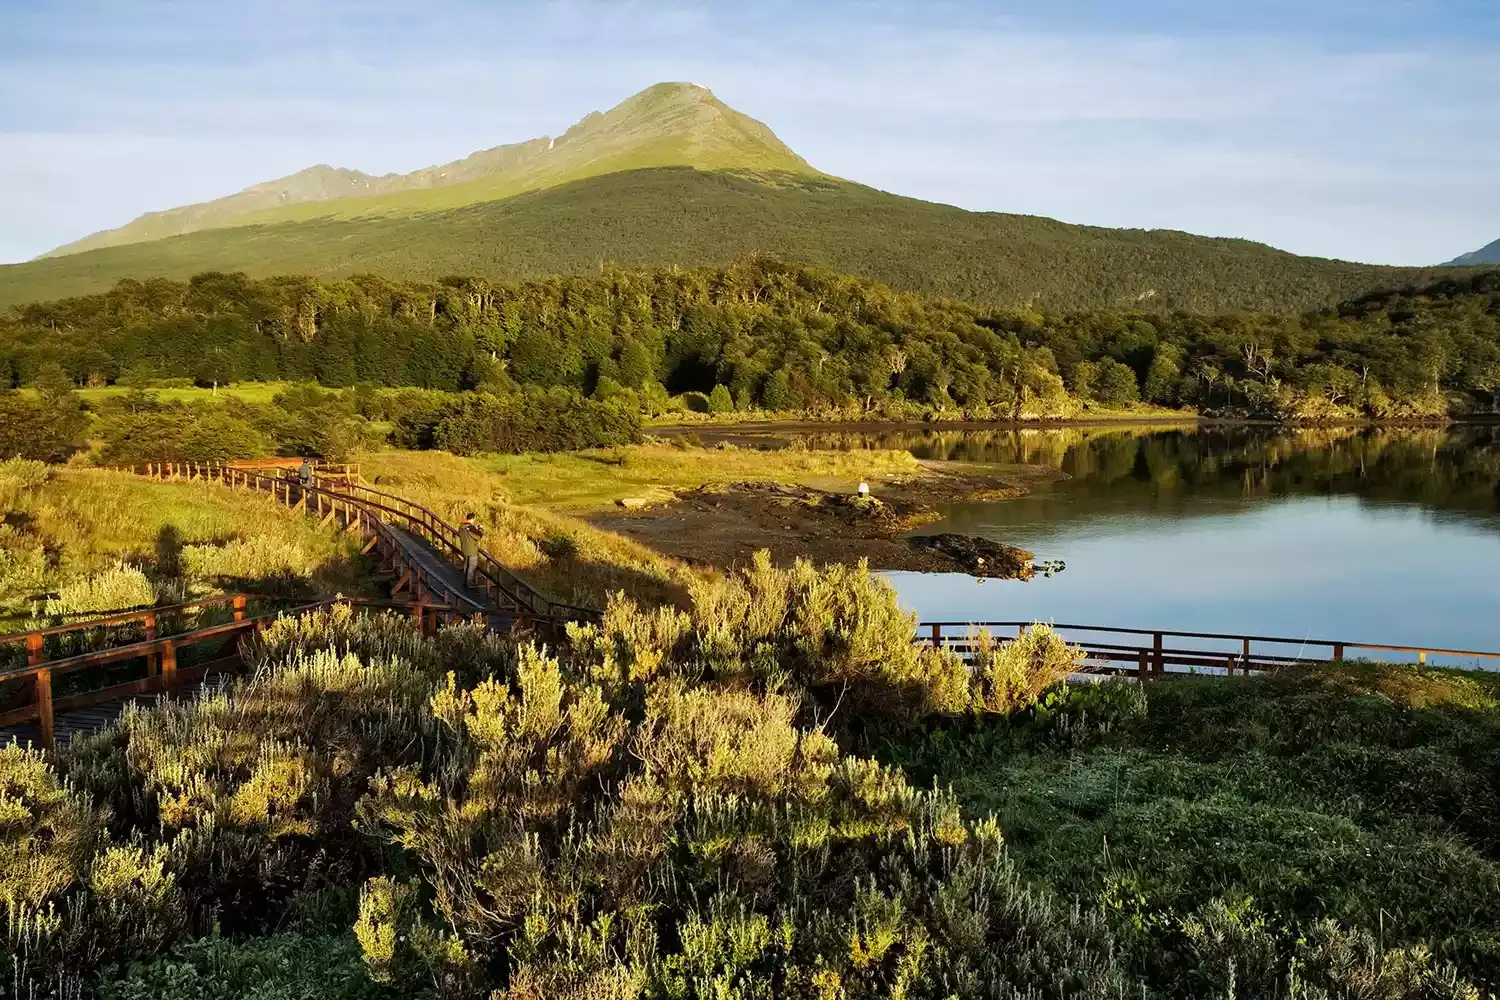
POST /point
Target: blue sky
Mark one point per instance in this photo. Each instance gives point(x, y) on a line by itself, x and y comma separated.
point(1361, 129)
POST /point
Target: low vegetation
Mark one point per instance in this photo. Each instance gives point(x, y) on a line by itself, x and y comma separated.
point(683, 803)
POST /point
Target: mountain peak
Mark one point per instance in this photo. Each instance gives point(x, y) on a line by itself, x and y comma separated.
point(1484, 255)
point(668, 124)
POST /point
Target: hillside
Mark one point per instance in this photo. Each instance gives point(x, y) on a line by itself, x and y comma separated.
point(680, 216)
point(670, 124)
point(1484, 255)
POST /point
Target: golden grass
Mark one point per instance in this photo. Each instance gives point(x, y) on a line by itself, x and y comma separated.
point(89, 521)
point(591, 480)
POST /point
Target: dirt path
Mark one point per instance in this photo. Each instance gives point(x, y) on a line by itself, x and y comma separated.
point(723, 526)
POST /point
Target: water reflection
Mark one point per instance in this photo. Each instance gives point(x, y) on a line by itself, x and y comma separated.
point(1380, 535)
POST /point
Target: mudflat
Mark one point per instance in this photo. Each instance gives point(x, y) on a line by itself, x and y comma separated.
point(722, 525)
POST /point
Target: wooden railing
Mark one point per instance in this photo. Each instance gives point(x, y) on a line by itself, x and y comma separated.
point(503, 586)
point(1155, 652)
point(158, 656)
point(381, 511)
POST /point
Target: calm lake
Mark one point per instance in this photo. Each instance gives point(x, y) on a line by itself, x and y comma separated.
point(1384, 536)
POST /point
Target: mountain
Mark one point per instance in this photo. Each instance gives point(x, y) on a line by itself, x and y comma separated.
point(1484, 255)
point(670, 124)
point(673, 176)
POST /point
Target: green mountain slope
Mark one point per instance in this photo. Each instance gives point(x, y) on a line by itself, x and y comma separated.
point(670, 124)
point(667, 216)
point(1484, 255)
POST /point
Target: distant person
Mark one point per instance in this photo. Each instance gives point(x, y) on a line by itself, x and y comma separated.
point(469, 535)
point(305, 473)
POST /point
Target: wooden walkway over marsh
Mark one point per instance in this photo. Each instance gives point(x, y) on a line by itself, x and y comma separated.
point(76, 677)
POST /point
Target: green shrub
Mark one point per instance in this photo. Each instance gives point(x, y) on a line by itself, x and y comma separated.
point(280, 967)
point(179, 433)
point(118, 588)
point(18, 474)
point(719, 401)
point(1012, 675)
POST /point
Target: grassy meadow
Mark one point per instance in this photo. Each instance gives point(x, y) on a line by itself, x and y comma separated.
point(77, 540)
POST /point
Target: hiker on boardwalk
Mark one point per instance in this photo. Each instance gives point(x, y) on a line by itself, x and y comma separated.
point(469, 535)
point(305, 475)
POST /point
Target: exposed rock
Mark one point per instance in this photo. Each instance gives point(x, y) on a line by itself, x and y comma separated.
point(980, 556)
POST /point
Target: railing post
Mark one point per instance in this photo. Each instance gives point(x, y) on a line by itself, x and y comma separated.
point(419, 615)
point(1247, 655)
point(34, 654)
point(1229, 665)
point(169, 665)
point(44, 707)
point(239, 607)
point(1338, 652)
point(149, 621)
point(937, 635)
point(1422, 657)
point(1143, 671)
point(1159, 657)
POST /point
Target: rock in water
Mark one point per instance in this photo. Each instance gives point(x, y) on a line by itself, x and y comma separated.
point(980, 556)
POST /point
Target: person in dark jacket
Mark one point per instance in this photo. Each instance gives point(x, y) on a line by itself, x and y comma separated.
point(304, 477)
point(469, 535)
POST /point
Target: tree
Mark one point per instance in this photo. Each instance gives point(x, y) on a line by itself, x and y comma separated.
point(1085, 379)
point(635, 366)
point(1162, 376)
point(719, 401)
point(777, 394)
point(1117, 384)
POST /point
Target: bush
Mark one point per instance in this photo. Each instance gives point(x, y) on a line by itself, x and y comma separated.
point(279, 967)
point(120, 588)
point(1011, 676)
point(18, 475)
point(659, 808)
point(45, 430)
point(180, 433)
point(719, 401)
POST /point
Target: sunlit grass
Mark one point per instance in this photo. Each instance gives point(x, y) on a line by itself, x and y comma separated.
point(591, 480)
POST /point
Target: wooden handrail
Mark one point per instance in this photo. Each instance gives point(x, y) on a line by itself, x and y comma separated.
point(138, 614)
point(162, 672)
point(1155, 658)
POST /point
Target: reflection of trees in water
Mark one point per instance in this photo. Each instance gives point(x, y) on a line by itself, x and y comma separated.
point(1451, 468)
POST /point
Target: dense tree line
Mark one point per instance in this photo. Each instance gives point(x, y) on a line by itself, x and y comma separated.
point(767, 335)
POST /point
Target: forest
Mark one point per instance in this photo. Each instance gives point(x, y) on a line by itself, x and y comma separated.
point(766, 335)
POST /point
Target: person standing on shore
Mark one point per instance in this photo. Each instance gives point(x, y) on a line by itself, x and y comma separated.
point(469, 535)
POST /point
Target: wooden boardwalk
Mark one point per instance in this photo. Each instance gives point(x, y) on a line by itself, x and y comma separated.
point(416, 549)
